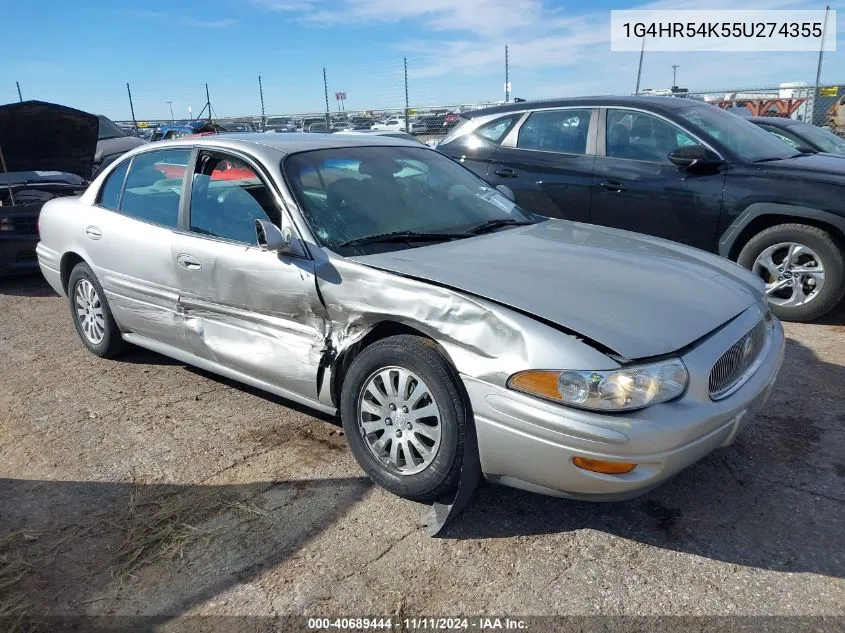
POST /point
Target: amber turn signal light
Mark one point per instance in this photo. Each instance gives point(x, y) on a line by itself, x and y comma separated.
point(601, 466)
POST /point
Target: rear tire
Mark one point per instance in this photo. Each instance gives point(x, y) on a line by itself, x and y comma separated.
point(406, 445)
point(809, 284)
point(91, 314)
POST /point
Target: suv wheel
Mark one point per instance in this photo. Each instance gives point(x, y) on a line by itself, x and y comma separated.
point(91, 314)
point(803, 268)
point(404, 415)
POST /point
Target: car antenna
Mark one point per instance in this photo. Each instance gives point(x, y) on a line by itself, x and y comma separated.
point(5, 171)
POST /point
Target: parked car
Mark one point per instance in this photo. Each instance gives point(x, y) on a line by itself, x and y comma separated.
point(802, 136)
point(185, 128)
point(374, 277)
point(678, 169)
point(361, 123)
point(112, 143)
point(318, 126)
point(394, 123)
point(46, 151)
point(239, 127)
point(280, 124)
point(309, 121)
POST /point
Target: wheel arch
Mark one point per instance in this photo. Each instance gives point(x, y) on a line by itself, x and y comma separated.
point(378, 331)
point(66, 265)
point(761, 216)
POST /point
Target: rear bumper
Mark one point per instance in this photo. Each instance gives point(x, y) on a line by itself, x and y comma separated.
point(528, 443)
point(50, 264)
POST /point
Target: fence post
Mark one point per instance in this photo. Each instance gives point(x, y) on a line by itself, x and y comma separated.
point(132, 109)
point(819, 69)
point(326, 90)
point(20, 98)
point(407, 122)
point(261, 94)
point(507, 80)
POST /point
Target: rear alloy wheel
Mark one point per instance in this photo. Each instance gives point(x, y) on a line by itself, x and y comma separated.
point(404, 413)
point(802, 267)
point(91, 314)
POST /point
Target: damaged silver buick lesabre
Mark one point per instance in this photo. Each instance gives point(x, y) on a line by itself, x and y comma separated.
point(377, 278)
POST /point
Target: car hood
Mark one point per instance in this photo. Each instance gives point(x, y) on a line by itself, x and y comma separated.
point(826, 167)
point(109, 146)
point(638, 296)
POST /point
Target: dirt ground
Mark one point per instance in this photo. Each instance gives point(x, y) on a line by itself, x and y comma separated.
point(141, 487)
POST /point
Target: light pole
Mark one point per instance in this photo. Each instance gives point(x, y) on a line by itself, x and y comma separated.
point(675, 75)
point(170, 103)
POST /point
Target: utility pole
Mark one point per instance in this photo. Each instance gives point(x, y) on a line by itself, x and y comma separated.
point(132, 109)
point(407, 121)
point(507, 80)
point(640, 68)
point(170, 103)
point(326, 90)
point(819, 68)
point(675, 76)
point(208, 102)
point(20, 98)
point(261, 95)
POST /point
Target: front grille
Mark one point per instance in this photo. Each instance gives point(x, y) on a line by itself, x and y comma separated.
point(734, 364)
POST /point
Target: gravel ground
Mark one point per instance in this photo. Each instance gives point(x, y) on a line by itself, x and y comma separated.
point(141, 487)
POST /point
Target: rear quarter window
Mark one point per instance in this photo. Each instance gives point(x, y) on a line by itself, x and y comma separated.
point(113, 186)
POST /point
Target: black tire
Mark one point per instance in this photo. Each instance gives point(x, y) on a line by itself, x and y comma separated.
point(111, 343)
point(423, 358)
point(832, 260)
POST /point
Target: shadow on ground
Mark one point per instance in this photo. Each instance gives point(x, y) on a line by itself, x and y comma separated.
point(66, 545)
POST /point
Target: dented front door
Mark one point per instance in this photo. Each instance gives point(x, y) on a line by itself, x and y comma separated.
point(250, 310)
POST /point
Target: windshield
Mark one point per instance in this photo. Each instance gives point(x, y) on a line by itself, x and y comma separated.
point(825, 139)
point(352, 193)
point(747, 141)
point(108, 129)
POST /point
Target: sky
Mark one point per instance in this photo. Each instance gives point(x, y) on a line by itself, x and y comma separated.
point(83, 53)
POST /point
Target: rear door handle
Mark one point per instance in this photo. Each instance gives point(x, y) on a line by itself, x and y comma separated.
point(615, 187)
point(189, 262)
point(507, 172)
point(93, 233)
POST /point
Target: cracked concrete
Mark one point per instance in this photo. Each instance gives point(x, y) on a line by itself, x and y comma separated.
point(755, 529)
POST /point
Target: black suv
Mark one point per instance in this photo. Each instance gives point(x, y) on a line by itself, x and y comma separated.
point(674, 168)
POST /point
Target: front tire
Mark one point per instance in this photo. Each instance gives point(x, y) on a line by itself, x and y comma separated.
point(803, 267)
point(91, 314)
point(404, 413)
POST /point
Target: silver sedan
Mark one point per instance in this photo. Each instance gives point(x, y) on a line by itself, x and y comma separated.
point(379, 279)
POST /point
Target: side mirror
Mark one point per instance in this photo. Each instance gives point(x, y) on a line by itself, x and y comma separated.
point(271, 238)
point(507, 192)
point(694, 156)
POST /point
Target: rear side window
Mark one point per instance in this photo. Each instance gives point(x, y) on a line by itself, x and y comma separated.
point(110, 191)
point(495, 130)
point(154, 186)
point(563, 131)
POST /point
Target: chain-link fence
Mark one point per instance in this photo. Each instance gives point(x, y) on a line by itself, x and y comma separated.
point(823, 106)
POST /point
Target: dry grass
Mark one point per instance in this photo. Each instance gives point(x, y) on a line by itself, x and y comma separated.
point(14, 566)
point(159, 527)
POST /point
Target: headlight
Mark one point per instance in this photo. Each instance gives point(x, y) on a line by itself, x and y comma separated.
point(617, 390)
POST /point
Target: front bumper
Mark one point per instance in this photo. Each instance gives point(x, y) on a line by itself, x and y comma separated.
point(17, 254)
point(528, 443)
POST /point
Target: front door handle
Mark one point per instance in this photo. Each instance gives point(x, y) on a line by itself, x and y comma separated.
point(188, 262)
point(612, 185)
point(93, 233)
point(507, 172)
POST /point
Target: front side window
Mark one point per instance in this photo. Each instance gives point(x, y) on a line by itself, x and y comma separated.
point(562, 131)
point(227, 196)
point(357, 192)
point(825, 139)
point(640, 136)
point(154, 186)
point(783, 135)
point(113, 186)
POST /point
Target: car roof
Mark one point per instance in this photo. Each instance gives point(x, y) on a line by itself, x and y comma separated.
point(659, 104)
point(284, 144)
